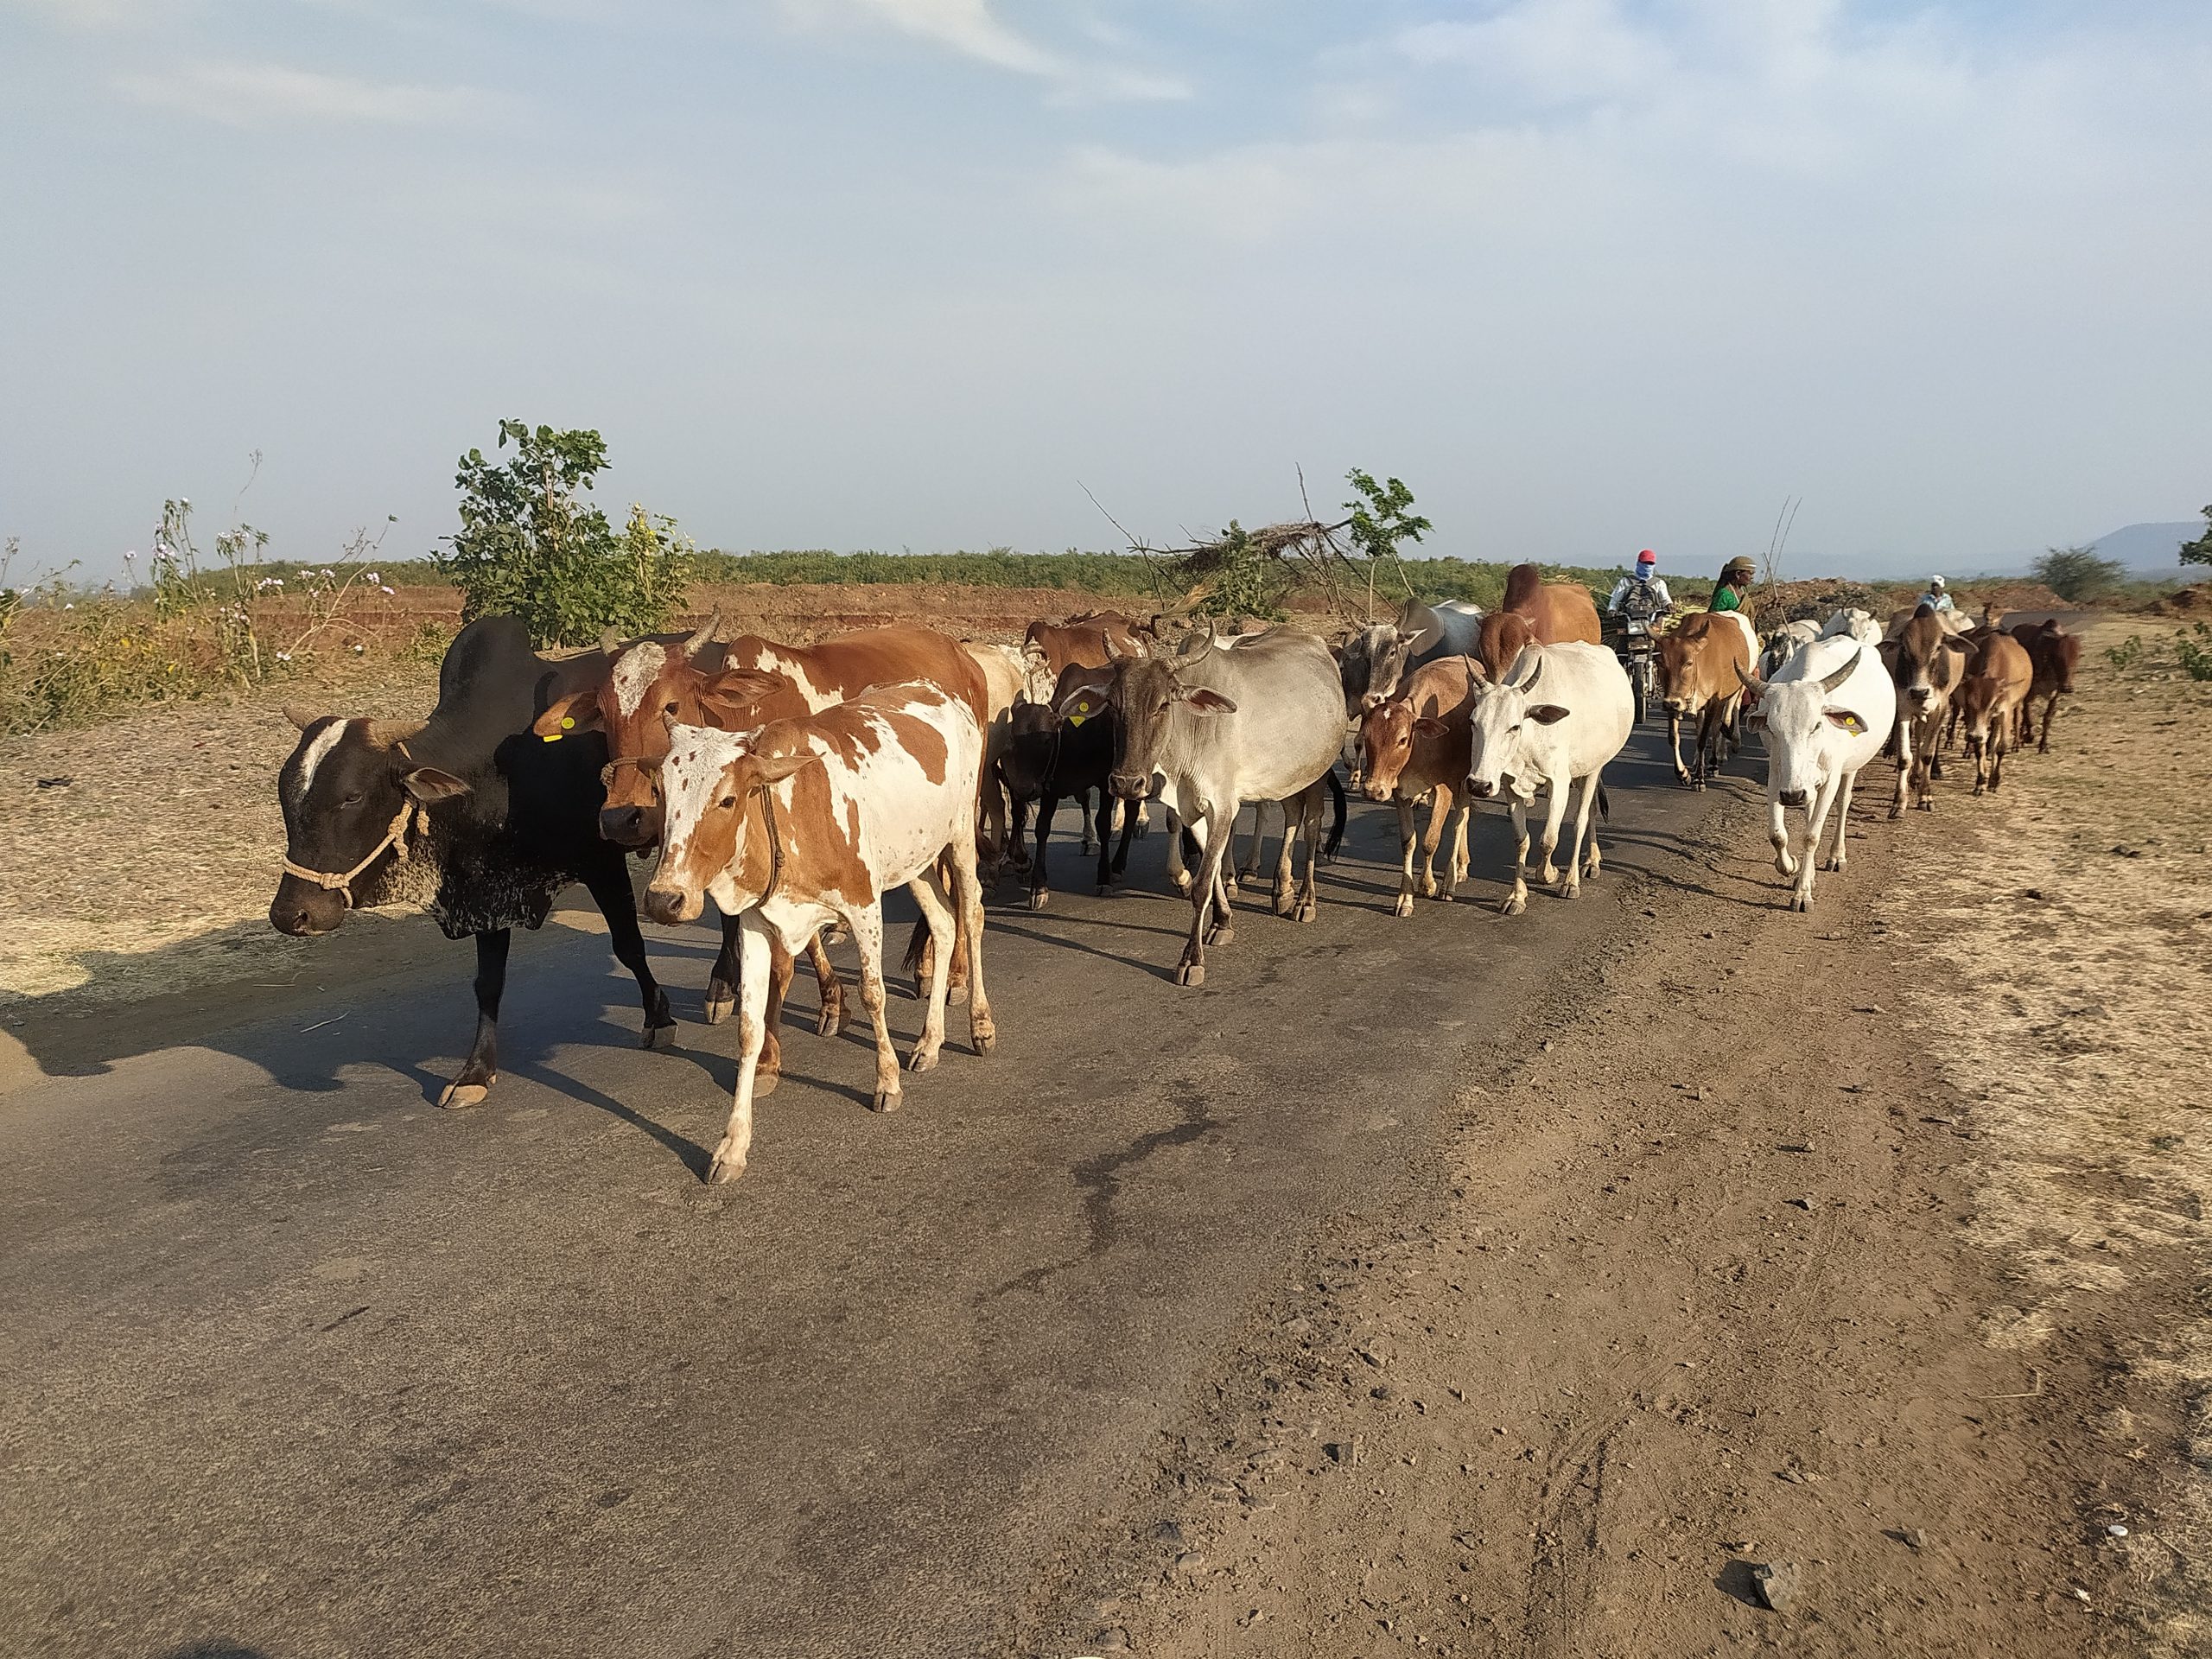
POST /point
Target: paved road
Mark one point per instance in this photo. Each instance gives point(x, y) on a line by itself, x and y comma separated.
point(299, 1365)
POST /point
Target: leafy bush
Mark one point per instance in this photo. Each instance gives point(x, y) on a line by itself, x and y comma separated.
point(2077, 575)
point(533, 545)
point(2127, 654)
point(2194, 649)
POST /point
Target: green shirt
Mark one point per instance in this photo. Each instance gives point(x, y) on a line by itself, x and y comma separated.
point(1726, 598)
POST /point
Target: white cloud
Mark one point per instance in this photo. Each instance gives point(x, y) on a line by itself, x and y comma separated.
point(258, 94)
point(973, 29)
point(1545, 51)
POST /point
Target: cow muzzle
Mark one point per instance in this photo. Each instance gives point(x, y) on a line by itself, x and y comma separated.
point(1481, 789)
point(1792, 797)
point(1128, 786)
point(630, 827)
point(303, 911)
point(669, 905)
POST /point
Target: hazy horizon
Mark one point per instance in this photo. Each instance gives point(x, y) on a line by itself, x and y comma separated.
point(1589, 275)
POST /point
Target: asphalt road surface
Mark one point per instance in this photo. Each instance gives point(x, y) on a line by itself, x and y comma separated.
point(298, 1364)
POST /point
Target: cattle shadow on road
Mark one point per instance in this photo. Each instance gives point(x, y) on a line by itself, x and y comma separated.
point(217, 1649)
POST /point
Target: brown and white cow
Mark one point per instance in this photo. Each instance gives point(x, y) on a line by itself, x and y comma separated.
point(1927, 661)
point(810, 821)
point(1535, 612)
point(734, 685)
point(2055, 654)
point(1415, 744)
point(1701, 668)
point(1989, 702)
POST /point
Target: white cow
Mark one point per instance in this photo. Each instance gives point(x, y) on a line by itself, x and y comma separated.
point(1828, 712)
point(1561, 713)
point(1851, 623)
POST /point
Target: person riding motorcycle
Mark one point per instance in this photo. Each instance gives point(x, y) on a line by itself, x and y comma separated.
point(1643, 595)
point(1735, 582)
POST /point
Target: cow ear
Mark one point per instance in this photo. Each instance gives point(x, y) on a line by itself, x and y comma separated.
point(1845, 718)
point(774, 768)
point(426, 784)
point(1429, 726)
point(577, 712)
point(731, 693)
point(1546, 714)
point(1204, 701)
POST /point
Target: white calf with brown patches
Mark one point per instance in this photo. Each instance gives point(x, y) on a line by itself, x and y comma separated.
point(810, 820)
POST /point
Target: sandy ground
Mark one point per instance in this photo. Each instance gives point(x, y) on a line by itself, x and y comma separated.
point(1864, 1246)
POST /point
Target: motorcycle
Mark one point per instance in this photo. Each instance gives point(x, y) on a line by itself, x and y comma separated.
point(1638, 646)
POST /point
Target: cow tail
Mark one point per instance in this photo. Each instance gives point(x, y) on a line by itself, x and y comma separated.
point(1604, 805)
point(1336, 825)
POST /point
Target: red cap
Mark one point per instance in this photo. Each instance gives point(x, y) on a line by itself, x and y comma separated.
point(1647, 558)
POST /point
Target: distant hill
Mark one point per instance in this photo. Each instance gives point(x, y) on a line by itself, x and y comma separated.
point(2154, 550)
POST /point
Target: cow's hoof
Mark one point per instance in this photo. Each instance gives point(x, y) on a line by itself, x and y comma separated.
point(724, 1169)
point(1183, 883)
point(1307, 912)
point(984, 1038)
point(955, 994)
point(1570, 889)
point(1191, 973)
point(1039, 897)
point(832, 1019)
point(1833, 867)
point(1801, 902)
point(458, 1095)
point(922, 1059)
point(1221, 933)
point(659, 1036)
point(767, 1075)
point(1513, 904)
point(1404, 906)
point(886, 1100)
point(720, 1006)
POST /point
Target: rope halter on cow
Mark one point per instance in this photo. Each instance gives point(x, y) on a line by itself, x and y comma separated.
point(395, 838)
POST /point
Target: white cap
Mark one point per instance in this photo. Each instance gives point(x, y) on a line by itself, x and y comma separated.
point(1934, 582)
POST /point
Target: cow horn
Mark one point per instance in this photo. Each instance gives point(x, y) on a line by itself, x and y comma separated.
point(1833, 682)
point(301, 716)
point(610, 639)
point(1536, 661)
point(707, 631)
point(1204, 651)
point(386, 733)
point(1752, 683)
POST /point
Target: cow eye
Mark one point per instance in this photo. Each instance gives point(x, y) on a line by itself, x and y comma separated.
point(353, 799)
point(671, 707)
point(728, 801)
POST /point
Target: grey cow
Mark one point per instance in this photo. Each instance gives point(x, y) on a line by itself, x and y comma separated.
point(1261, 723)
point(1377, 658)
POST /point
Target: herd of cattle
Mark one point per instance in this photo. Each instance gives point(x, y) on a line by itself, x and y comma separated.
point(796, 786)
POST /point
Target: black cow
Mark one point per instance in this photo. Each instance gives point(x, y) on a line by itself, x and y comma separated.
point(1062, 750)
point(467, 813)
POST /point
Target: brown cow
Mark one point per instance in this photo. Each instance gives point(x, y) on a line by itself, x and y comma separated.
point(2055, 654)
point(735, 686)
point(1989, 701)
point(1093, 640)
point(1535, 612)
point(1415, 744)
point(1700, 668)
point(1926, 660)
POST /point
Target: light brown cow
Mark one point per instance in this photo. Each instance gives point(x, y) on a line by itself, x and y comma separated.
point(1535, 612)
point(1989, 703)
point(1093, 640)
point(1006, 678)
point(806, 822)
point(1926, 660)
point(1413, 744)
point(1701, 666)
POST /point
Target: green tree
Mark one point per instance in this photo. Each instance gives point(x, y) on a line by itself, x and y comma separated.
point(2077, 574)
point(531, 544)
point(2199, 550)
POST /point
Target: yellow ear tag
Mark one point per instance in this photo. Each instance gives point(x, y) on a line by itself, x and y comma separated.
point(1077, 714)
point(568, 724)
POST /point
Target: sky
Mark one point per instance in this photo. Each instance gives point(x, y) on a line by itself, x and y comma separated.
point(1589, 275)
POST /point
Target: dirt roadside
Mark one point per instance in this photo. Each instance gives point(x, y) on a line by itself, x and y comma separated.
point(1867, 1245)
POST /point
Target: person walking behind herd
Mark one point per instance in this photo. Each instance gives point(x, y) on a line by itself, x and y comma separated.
point(1735, 582)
